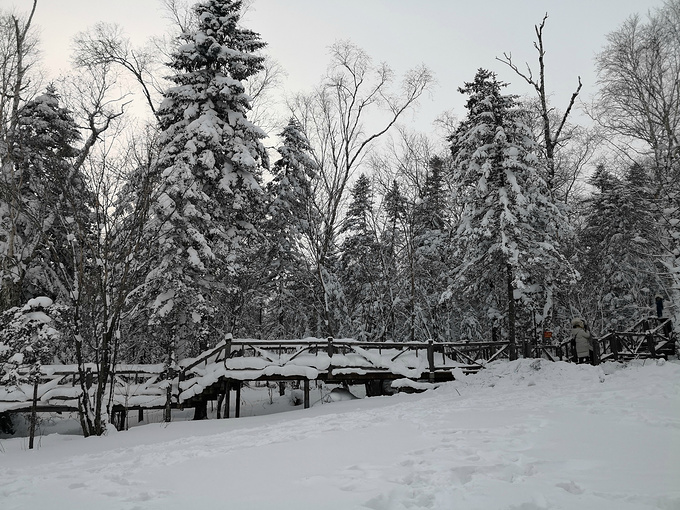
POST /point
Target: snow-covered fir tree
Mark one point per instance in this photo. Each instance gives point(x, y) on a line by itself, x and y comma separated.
point(394, 269)
point(507, 235)
point(360, 269)
point(44, 201)
point(622, 267)
point(430, 262)
point(210, 171)
point(290, 217)
point(31, 335)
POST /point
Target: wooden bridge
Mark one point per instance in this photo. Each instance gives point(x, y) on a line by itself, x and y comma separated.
point(216, 372)
point(212, 375)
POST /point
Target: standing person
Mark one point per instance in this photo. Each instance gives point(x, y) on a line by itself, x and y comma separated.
point(659, 305)
point(583, 342)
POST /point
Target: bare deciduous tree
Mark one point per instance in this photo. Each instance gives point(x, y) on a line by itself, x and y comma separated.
point(105, 44)
point(639, 97)
point(552, 127)
point(343, 117)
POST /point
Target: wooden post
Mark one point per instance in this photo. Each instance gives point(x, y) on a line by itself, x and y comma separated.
point(329, 351)
point(122, 416)
point(237, 412)
point(306, 393)
point(227, 382)
point(596, 352)
point(649, 339)
point(227, 400)
point(180, 379)
point(667, 328)
point(220, 399)
point(651, 345)
point(167, 417)
point(34, 413)
point(615, 345)
point(140, 415)
point(430, 358)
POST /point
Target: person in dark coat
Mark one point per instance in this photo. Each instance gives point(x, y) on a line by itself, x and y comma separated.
point(659, 305)
point(583, 341)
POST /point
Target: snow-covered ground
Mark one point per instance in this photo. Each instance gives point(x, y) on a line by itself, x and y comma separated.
point(524, 435)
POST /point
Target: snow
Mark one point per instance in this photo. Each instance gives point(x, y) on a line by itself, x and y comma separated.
point(38, 316)
point(524, 435)
point(39, 302)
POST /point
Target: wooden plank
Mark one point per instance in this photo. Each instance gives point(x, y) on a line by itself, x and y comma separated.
point(206, 355)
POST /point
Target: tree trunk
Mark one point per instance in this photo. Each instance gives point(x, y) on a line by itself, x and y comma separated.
point(511, 314)
point(34, 413)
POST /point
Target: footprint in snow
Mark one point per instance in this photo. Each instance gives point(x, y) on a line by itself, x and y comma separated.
point(570, 487)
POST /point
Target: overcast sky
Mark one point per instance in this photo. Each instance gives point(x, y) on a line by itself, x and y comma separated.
point(453, 38)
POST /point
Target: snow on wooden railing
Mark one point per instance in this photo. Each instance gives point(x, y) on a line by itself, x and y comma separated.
point(140, 385)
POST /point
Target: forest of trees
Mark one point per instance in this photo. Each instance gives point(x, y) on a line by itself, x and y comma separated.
point(150, 241)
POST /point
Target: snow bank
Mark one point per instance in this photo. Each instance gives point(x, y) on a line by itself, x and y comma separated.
point(524, 435)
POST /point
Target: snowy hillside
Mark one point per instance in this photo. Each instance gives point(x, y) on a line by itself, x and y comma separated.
point(524, 435)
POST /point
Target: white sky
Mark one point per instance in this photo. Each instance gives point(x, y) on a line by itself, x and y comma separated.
point(453, 38)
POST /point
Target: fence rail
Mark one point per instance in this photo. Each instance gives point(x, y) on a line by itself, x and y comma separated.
point(650, 337)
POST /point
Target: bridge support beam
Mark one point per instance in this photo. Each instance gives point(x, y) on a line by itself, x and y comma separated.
point(306, 393)
point(430, 359)
point(237, 411)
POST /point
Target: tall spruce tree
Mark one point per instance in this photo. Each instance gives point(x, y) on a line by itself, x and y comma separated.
point(507, 234)
point(622, 269)
point(43, 198)
point(290, 216)
point(393, 268)
point(360, 274)
point(430, 258)
point(210, 171)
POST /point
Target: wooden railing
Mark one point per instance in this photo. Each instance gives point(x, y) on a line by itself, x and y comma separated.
point(650, 337)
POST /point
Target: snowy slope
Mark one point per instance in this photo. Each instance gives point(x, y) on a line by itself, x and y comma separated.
point(523, 435)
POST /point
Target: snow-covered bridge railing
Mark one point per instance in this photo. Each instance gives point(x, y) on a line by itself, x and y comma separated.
point(330, 360)
point(59, 388)
point(650, 337)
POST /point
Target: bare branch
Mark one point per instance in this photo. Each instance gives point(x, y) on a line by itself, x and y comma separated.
point(106, 44)
point(550, 136)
